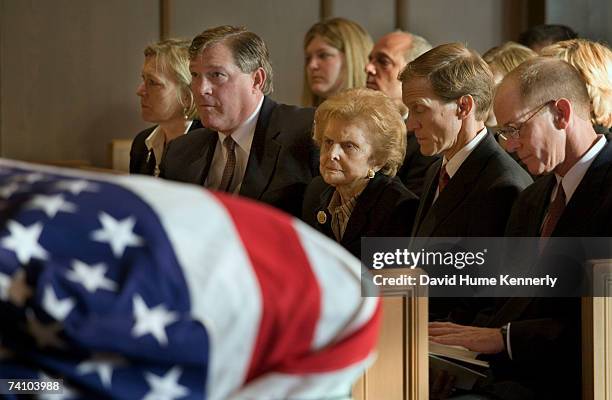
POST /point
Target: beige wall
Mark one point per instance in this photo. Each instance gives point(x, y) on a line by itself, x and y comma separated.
point(68, 76)
point(69, 68)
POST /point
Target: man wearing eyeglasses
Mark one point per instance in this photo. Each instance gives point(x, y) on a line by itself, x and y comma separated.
point(544, 108)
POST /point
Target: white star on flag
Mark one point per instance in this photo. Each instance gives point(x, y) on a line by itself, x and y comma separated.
point(77, 186)
point(165, 387)
point(51, 205)
point(67, 393)
point(92, 277)
point(103, 365)
point(44, 335)
point(32, 177)
point(152, 320)
point(24, 241)
point(9, 190)
point(118, 234)
point(58, 309)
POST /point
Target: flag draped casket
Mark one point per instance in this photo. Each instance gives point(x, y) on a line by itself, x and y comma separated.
point(132, 287)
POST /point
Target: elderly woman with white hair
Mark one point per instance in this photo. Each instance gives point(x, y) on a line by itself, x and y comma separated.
point(362, 138)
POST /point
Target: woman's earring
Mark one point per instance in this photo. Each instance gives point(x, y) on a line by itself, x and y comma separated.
point(185, 111)
point(371, 173)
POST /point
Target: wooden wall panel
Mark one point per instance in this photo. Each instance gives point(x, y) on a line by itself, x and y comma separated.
point(590, 18)
point(281, 23)
point(475, 22)
point(377, 17)
point(69, 75)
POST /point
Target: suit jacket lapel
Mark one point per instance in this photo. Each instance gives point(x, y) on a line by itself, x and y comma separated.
point(201, 165)
point(455, 192)
point(263, 155)
point(365, 202)
point(430, 187)
point(589, 192)
point(324, 200)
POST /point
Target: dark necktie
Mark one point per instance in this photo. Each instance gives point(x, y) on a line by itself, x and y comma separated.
point(555, 210)
point(443, 179)
point(149, 168)
point(230, 165)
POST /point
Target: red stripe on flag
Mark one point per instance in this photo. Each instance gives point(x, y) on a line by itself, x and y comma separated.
point(290, 292)
point(350, 350)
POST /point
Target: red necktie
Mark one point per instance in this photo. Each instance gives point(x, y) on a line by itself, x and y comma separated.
point(555, 210)
point(443, 179)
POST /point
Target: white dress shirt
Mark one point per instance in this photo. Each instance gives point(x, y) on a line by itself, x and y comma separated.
point(156, 142)
point(243, 136)
point(453, 165)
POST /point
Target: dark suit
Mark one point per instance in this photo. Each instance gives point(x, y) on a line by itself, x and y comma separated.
point(413, 170)
point(545, 332)
point(282, 161)
point(142, 161)
point(475, 203)
point(477, 200)
point(385, 208)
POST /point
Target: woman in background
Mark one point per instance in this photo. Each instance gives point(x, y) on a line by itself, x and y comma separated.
point(362, 138)
point(165, 100)
point(336, 53)
point(503, 59)
point(594, 63)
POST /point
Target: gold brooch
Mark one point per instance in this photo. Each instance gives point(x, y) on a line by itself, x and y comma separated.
point(321, 217)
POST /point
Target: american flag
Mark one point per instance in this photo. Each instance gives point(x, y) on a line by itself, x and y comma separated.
point(133, 288)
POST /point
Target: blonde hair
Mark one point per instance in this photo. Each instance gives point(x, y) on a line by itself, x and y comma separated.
point(594, 63)
point(453, 71)
point(351, 40)
point(172, 58)
point(508, 56)
point(381, 117)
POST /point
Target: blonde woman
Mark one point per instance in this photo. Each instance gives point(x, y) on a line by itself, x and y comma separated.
point(335, 52)
point(362, 138)
point(503, 59)
point(594, 63)
point(165, 100)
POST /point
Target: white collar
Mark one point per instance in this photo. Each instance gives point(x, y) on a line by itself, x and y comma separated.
point(157, 140)
point(243, 135)
point(574, 176)
point(453, 165)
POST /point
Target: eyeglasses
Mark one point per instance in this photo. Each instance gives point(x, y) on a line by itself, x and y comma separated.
point(511, 132)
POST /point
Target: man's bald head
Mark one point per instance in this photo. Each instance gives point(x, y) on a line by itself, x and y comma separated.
point(388, 58)
point(543, 79)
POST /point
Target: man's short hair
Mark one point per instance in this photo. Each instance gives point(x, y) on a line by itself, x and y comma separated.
point(546, 34)
point(453, 71)
point(249, 50)
point(543, 79)
point(418, 46)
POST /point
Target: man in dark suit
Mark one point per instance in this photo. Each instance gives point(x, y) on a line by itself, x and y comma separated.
point(252, 146)
point(387, 59)
point(470, 191)
point(544, 109)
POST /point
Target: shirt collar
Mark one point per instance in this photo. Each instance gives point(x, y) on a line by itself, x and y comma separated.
point(452, 165)
point(157, 140)
point(243, 135)
point(574, 176)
